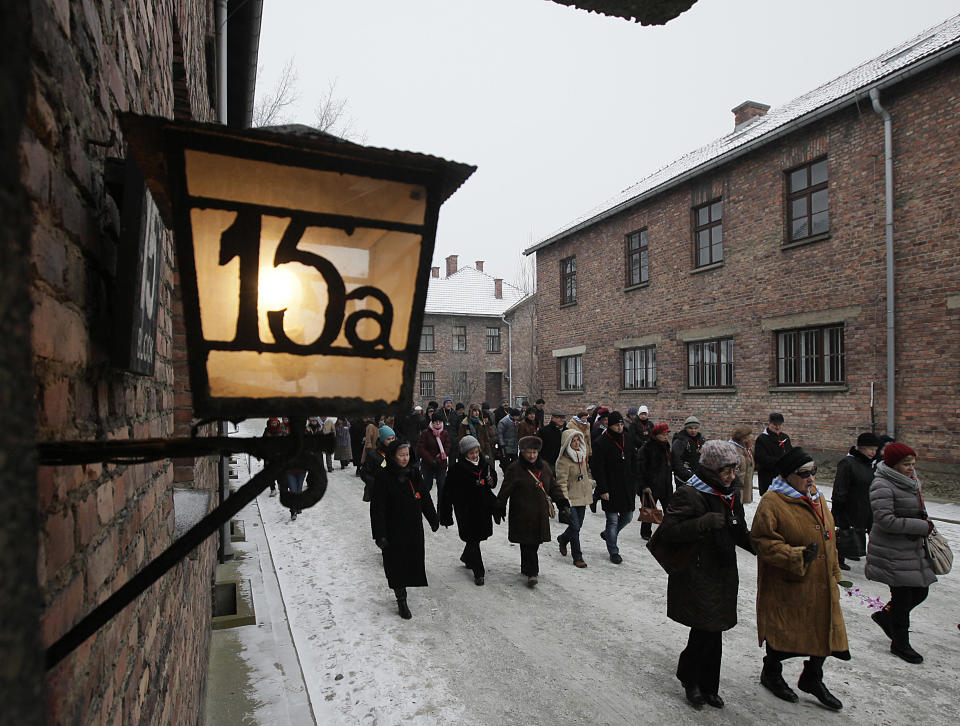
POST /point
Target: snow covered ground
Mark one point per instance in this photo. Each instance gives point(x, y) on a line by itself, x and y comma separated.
point(589, 646)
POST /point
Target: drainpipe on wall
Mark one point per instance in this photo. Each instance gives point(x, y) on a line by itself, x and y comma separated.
point(503, 317)
point(891, 329)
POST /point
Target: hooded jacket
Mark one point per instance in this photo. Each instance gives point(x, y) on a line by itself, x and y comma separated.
point(574, 476)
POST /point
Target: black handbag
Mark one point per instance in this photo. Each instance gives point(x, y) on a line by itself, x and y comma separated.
point(849, 543)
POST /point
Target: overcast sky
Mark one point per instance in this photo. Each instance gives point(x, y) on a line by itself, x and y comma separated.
point(558, 108)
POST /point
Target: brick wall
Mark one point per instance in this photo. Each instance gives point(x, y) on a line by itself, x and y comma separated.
point(100, 524)
point(523, 318)
point(761, 279)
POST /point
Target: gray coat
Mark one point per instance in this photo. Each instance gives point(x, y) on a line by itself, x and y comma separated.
point(895, 554)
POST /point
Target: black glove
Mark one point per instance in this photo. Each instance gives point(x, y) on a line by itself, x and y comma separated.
point(435, 525)
point(382, 543)
point(564, 516)
point(711, 520)
point(498, 515)
point(448, 522)
point(493, 477)
point(810, 552)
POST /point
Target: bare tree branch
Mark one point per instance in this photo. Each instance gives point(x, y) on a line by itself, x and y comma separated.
point(332, 117)
point(272, 109)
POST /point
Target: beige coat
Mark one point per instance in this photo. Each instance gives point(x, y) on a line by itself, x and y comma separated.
point(580, 493)
point(585, 430)
point(798, 605)
point(746, 474)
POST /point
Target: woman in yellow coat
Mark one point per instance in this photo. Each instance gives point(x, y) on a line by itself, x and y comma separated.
point(798, 604)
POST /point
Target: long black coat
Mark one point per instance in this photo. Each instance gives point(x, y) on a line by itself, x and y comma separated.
point(639, 433)
point(469, 493)
point(357, 429)
point(704, 595)
point(655, 469)
point(685, 453)
point(767, 451)
point(550, 435)
point(529, 520)
point(851, 492)
point(612, 467)
point(398, 501)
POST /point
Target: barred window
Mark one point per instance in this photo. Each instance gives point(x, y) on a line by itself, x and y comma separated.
point(708, 233)
point(427, 343)
point(807, 201)
point(637, 262)
point(427, 384)
point(710, 363)
point(571, 372)
point(811, 356)
point(568, 280)
point(493, 340)
point(640, 367)
point(459, 338)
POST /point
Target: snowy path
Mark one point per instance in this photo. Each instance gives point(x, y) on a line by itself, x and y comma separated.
point(587, 646)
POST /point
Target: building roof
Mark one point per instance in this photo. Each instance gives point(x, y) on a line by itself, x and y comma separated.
point(928, 48)
point(469, 292)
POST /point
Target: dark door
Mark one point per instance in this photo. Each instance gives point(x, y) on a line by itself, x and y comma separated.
point(493, 390)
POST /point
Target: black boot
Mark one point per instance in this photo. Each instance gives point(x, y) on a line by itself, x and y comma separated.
point(646, 530)
point(692, 692)
point(900, 646)
point(882, 618)
point(811, 681)
point(771, 678)
point(401, 593)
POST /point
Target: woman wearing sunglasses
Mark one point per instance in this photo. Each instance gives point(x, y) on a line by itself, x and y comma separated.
point(798, 603)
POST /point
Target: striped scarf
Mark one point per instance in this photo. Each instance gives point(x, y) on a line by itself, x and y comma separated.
point(698, 483)
point(781, 486)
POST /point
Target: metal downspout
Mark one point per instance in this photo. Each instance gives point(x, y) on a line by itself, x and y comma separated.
point(891, 326)
point(503, 317)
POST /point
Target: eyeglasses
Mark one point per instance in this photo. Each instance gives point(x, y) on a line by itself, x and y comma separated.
point(806, 473)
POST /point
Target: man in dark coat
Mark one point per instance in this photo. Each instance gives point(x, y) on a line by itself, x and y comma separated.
point(500, 411)
point(707, 517)
point(398, 502)
point(768, 449)
point(685, 450)
point(851, 492)
point(469, 492)
point(410, 427)
point(357, 429)
point(655, 471)
point(612, 468)
point(550, 435)
point(539, 412)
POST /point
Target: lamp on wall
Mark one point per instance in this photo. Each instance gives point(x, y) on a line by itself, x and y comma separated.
point(303, 262)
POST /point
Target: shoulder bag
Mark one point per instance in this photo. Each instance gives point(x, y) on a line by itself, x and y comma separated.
point(939, 553)
point(648, 508)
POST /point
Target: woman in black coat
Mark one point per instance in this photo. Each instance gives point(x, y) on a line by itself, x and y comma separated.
point(655, 469)
point(706, 517)
point(398, 501)
point(850, 502)
point(469, 493)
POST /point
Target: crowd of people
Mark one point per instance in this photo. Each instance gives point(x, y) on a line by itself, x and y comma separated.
point(555, 466)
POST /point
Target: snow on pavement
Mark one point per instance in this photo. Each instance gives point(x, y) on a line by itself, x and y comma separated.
point(589, 646)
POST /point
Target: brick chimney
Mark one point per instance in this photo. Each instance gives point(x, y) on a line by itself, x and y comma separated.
point(498, 288)
point(451, 265)
point(479, 264)
point(746, 111)
point(434, 272)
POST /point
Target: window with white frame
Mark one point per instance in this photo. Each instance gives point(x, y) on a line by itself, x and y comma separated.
point(640, 367)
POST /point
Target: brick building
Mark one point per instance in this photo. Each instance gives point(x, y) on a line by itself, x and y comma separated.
point(750, 275)
point(80, 532)
point(477, 335)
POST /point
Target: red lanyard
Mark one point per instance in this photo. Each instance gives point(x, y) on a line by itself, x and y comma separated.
point(537, 477)
point(816, 510)
point(416, 494)
point(622, 455)
point(730, 501)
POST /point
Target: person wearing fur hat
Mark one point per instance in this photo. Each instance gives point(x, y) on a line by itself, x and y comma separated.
point(685, 449)
point(798, 601)
point(433, 448)
point(529, 485)
point(896, 553)
point(655, 471)
point(375, 460)
point(399, 500)
point(706, 517)
point(770, 445)
point(612, 467)
point(469, 492)
point(850, 501)
point(575, 481)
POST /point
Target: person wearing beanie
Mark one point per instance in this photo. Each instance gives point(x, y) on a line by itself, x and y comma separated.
point(550, 435)
point(433, 448)
point(613, 468)
point(474, 424)
point(468, 492)
point(398, 504)
point(507, 434)
point(655, 470)
point(769, 447)
point(850, 500)
point(600, 422)
point(375, 459)
point(883, 440)
point(685, 450)
point(706, 518)
point(798, 602)
point(742, 438)
point(896, 553)
point(573, 476)
point(501, 411)
point(529, 485)
point(640, 429)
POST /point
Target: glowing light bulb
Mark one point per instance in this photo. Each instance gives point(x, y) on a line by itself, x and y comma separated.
point(280, 289)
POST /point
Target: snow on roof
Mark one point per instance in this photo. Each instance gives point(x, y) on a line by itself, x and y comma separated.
point(469, 292)
point(850, 85)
